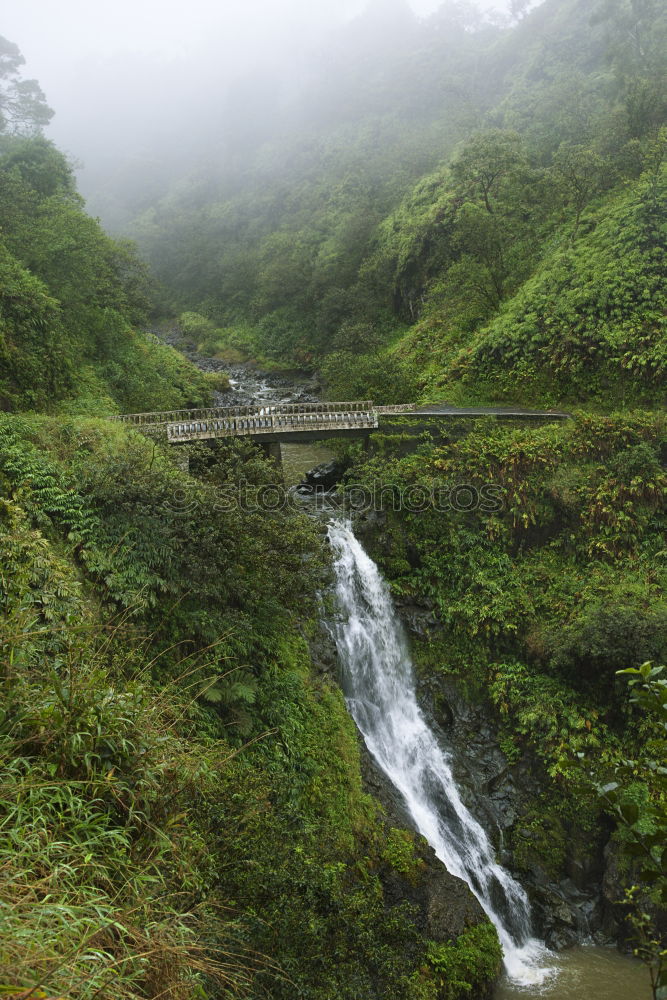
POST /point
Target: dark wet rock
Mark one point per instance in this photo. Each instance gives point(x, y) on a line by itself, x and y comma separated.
point(324, 477)
point(323, 653)
point(445, 905)
point(613, 912)
point(566, 911)
point(565, 916)
point(370, 522)
point(419, 618)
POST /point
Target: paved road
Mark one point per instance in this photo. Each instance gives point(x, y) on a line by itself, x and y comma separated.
point(444, 410)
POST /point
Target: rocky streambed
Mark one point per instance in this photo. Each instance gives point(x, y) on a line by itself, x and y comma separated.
point(248, 384)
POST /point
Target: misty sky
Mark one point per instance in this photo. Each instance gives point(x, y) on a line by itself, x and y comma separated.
point(60, 37)
point(124, 74)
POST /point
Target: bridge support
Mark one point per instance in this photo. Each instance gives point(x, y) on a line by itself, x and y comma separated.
point(182, 459)
point(272, 451)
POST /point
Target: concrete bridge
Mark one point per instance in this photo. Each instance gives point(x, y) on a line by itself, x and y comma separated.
point(304, 421)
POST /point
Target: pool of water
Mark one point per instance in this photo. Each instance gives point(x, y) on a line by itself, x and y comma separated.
point(300, 458)
point(587, 974)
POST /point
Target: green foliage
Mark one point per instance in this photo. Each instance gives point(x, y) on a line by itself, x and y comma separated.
point(234, 692)
point(642, 820)
point(105, 861)
point(379, 377)
point(165, 751)
point(536, 603)
point(35, 165)
point(151, 538)
point(301, 852)
point(541, 574)
point(541, 838)
point(581, 174)
point(399, 853)
point(240, 342)
point(459, 968)
point(626, 625)
point(282, 249)
point(507, 224)
point(196, 327)
point(590, 323)
point(35, 368)
point(544, 714)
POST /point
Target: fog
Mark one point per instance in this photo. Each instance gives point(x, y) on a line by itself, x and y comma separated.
point(143, 81)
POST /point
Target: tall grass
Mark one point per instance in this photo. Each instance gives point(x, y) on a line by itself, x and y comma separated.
point(106, 877)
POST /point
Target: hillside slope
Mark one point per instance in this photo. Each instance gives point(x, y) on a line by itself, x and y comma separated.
point(73, 302)
point(181, 800)
point(588, 325)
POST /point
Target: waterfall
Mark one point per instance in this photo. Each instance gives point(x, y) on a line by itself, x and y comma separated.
point(379, 685)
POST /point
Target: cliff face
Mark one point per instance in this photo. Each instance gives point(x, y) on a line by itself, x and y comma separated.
point(568, 872)
point(445, 906)
point(563, 874)
point(570, 903)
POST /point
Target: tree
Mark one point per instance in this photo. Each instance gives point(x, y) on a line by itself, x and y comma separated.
point(484, 243)
point(486, 161)
point(463, 15)
point(581, 174)
point(519, 9)
point(494, 225)
point(637, 45)
point(23, 107)
point(36, 359)
point(39, 165)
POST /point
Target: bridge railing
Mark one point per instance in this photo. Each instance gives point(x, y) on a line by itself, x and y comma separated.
point(256, 424)
point(162, 417)
point(233, 412)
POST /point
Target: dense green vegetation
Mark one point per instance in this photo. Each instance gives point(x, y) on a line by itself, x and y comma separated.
point(589, 324)
point(642, 819)
point(181, 808)
point(181, 805)
point(563, 584)
point(73, 302)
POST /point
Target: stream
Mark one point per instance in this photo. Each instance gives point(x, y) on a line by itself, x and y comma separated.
point(250, 386)
point(378, 682)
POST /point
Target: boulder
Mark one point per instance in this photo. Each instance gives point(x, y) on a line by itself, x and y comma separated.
point(444, 903)
point(323, 477)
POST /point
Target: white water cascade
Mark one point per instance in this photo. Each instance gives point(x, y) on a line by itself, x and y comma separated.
point(379, 685)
